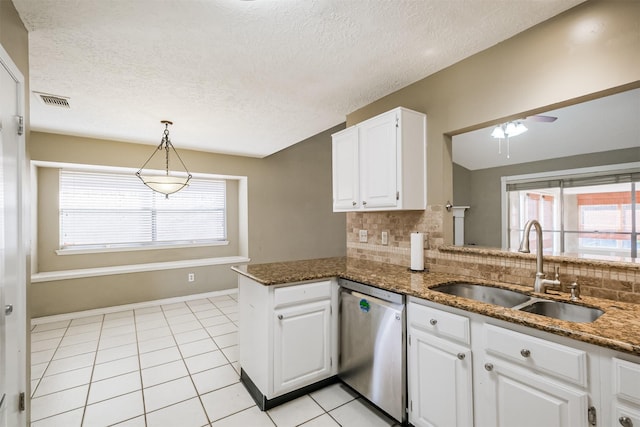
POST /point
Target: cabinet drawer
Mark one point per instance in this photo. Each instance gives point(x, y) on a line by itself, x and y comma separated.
point(440, 323)
point(302, 293)
point(560, 361)
point(626, 380)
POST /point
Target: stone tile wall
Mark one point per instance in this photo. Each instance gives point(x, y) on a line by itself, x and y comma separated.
point(615, 281)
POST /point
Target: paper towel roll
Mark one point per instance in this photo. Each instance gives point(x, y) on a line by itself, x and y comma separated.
point(417, 251)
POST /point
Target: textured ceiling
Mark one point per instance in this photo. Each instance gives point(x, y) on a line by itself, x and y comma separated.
point(245, 77)
point(604, 124)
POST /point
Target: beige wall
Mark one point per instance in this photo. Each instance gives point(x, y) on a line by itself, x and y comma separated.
point(289, 199)
point(584, 53)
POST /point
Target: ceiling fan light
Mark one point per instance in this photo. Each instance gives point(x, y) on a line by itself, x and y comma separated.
point(498, 132)
point(510, 129)
point(519, 129)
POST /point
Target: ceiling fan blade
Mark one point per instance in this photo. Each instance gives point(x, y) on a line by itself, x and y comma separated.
point(539, 118)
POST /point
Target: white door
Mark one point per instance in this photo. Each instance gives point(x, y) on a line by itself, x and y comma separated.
point(519, 397)
point(302, 345)
point(345, 168)
point(378, 162)
point(440, 382)
point(12, 260)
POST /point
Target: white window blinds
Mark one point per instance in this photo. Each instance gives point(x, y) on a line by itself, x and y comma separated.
point(112, 210)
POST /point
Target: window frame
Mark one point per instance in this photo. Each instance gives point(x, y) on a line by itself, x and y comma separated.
point(137, 245)
point(622, 168)
point(242, 182)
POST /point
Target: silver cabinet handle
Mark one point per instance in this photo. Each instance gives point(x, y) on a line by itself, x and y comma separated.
point(280, 316)
point(625, 421)
point(364, 202)
point(488, 366)
point(8, 309)
point(433, 322)
point(525, 353)
point(461, 356)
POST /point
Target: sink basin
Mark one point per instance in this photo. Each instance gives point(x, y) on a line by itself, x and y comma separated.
point(488, 294)
point(564, 311)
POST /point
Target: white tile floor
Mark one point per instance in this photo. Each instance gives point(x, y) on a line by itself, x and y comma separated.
point(171, 365)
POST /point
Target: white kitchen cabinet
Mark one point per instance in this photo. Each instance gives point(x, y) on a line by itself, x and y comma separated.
point(380, 164)
point(439, 368)
point(528, 381)
point(625, 381)
point(288, 338)
point(301, 345)
point(517, 396)
point(346, 170)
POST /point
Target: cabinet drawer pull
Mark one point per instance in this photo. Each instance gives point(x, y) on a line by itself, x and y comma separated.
point(280, 316)
point(488, 366)
point(353, 203)
point(433, 322)
point(525, 353)
point(461, 356)
point(364, 202)
point(625, 422)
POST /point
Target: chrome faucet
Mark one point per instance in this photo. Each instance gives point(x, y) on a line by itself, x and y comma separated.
point(541, 284)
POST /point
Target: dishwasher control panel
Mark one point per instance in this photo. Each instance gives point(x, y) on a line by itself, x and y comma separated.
point(372, 291)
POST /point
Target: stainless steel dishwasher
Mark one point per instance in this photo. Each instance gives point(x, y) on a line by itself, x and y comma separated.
point(372, 346)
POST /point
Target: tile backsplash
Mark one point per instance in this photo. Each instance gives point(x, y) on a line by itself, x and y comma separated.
point(611, 280)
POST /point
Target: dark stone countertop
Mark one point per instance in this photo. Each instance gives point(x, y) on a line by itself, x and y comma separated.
point(618, 328)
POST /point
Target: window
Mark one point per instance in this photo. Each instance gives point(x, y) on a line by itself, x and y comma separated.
point(106, 210)
point(597, 213)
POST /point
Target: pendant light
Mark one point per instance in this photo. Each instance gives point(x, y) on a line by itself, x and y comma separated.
point(170, 182)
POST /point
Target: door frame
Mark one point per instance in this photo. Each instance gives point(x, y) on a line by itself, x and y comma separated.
point(17, 335)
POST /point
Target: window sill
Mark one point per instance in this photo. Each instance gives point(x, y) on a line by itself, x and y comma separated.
point(51, 276)
point(137, 248)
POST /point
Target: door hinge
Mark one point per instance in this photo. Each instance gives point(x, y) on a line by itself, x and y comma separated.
point(411, 405)
point(397, 121)
point(21, 405)
point(20, 125)
point(331, 361)
point(330, 310)
point(409, 339)
point(591, 415)
point(397, 195)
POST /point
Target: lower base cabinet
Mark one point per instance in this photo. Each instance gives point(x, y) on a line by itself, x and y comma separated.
point(625, 386)
point(440, 382)
point(301, 345)
point(288, 338)
point(439, 367)
point(514, 396)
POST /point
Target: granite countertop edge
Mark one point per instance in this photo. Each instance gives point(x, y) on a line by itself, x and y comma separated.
point(618, 329)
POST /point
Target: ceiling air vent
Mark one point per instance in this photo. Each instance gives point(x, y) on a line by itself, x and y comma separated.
point(54, 100)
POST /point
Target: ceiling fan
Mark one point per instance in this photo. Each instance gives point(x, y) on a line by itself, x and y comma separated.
point(540, 118)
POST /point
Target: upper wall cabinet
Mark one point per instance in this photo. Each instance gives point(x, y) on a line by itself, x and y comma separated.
point(379, 164)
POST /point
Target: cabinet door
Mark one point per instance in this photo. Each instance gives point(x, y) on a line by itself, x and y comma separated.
point(302, 345)
point(515, 396)
point(625, 416)
point(345, 170)
point(440, 382)
point(378, 161)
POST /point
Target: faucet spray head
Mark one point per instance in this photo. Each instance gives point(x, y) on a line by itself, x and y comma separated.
point(524, 246)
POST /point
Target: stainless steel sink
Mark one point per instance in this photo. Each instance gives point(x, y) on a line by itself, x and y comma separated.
point(563, 311)
point(488, 294)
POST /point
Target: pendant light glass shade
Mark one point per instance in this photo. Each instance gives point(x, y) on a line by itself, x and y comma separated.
point(170, 182)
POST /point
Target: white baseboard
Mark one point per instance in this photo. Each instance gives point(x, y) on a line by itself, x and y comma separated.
point(116, 308)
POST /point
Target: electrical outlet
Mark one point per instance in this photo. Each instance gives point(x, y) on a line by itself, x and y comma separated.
point(363, 236)
point(385, 238)
point(191, 277)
